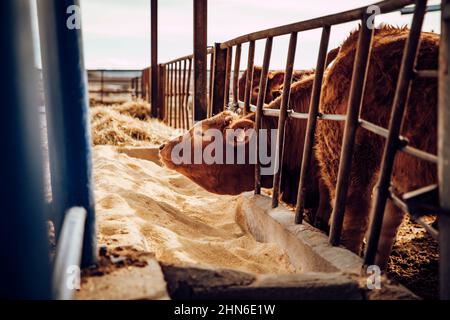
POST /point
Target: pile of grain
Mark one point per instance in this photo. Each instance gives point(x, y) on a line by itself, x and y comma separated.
point(127, 125)
point(150, 208)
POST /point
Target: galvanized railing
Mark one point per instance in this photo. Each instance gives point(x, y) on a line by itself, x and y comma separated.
point(411, 202)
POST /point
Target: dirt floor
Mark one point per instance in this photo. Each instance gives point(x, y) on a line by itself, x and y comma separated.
point(414, 260)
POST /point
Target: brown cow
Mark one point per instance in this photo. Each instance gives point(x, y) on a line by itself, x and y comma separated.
point(419, 127)
point(275, 80)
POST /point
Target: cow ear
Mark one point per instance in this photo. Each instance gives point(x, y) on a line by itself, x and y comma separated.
point(240, 132)
point(277, 78)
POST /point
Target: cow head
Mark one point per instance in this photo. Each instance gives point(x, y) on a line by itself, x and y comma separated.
point(221, 133)
point(255, 85)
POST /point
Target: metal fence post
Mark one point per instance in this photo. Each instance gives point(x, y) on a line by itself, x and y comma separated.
point(249, 77)
point(154, 52)
point(283, 116)
point(218, 79)
point(312, 121)
point(351, 125)
point(259, 109)
point(68, 117)
point(200, 59)
point(444, 152)
point(162, 90)
point(24, 249)
point(405, 78)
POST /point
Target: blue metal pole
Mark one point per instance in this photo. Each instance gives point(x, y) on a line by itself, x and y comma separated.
point(24, 246)
point(68, 114)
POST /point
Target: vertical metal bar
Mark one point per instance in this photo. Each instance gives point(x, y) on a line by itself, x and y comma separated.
point(183, 95)
point(200, 59)
point(172, 94)
point(24, 250)
point(218, 79)
point(189, 122)
point(169, 94)
point(102, 88)
point(226, 98)
point(279, 151)
point(444, 152)
point(154, 53)
point(210, 83)
point(68, 107)
point(132, 88)
point(312, 122)
point(180, 97)
point(162, 90)
point(176, 106)
point(351, 125)
point(249, 78)
point(237, 66)
point(259, 109)
point(166, 93)
point(392, 142)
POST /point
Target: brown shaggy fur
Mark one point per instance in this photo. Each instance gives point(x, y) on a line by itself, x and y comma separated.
point(419, 127)
point(275, 80)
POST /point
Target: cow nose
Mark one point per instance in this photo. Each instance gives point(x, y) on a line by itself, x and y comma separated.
point(161, 147)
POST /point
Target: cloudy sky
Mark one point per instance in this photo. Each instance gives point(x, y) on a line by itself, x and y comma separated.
point(116, 32)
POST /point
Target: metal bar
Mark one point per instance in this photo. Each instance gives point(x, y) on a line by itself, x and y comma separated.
point(68, 109)
point(24, 249)
point(444, 152)
point(171, 95)
point(237, 66)
point(296, 115)
point(430, 8)
point(312, 122)
point(279, 151)
point(210, 84)
point(102, 85)
point(154, 58)
point(166, 93)
point(68, 254)
point(183, 95)
point(401, 96)
point(200, 59)
point(226, 97)
point(180, 97)
point(249, 77)
point(419, 154)
point(354, 105)
point(188, 122)
point(162, 90)
point(426, 73)
point(330, 20)
point(218, 79)
point(260, 104)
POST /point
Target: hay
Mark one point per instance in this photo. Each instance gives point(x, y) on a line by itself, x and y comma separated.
point(121, 125)
point(136, 109)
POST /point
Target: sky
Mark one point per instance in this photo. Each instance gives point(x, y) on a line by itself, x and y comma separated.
point(117, 32)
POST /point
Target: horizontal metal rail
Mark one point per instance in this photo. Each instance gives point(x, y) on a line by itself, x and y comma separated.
point(380, 131)
point(333, 19)
point(191, 56)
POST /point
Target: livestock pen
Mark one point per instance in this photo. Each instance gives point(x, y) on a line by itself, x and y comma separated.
point(427, 200)
point(24, 244)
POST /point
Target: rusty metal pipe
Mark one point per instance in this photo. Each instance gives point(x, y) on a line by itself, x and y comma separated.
point(312, 122)
point(282, 119)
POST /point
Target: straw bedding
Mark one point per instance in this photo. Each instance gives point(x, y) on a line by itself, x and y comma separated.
point(128, 124)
